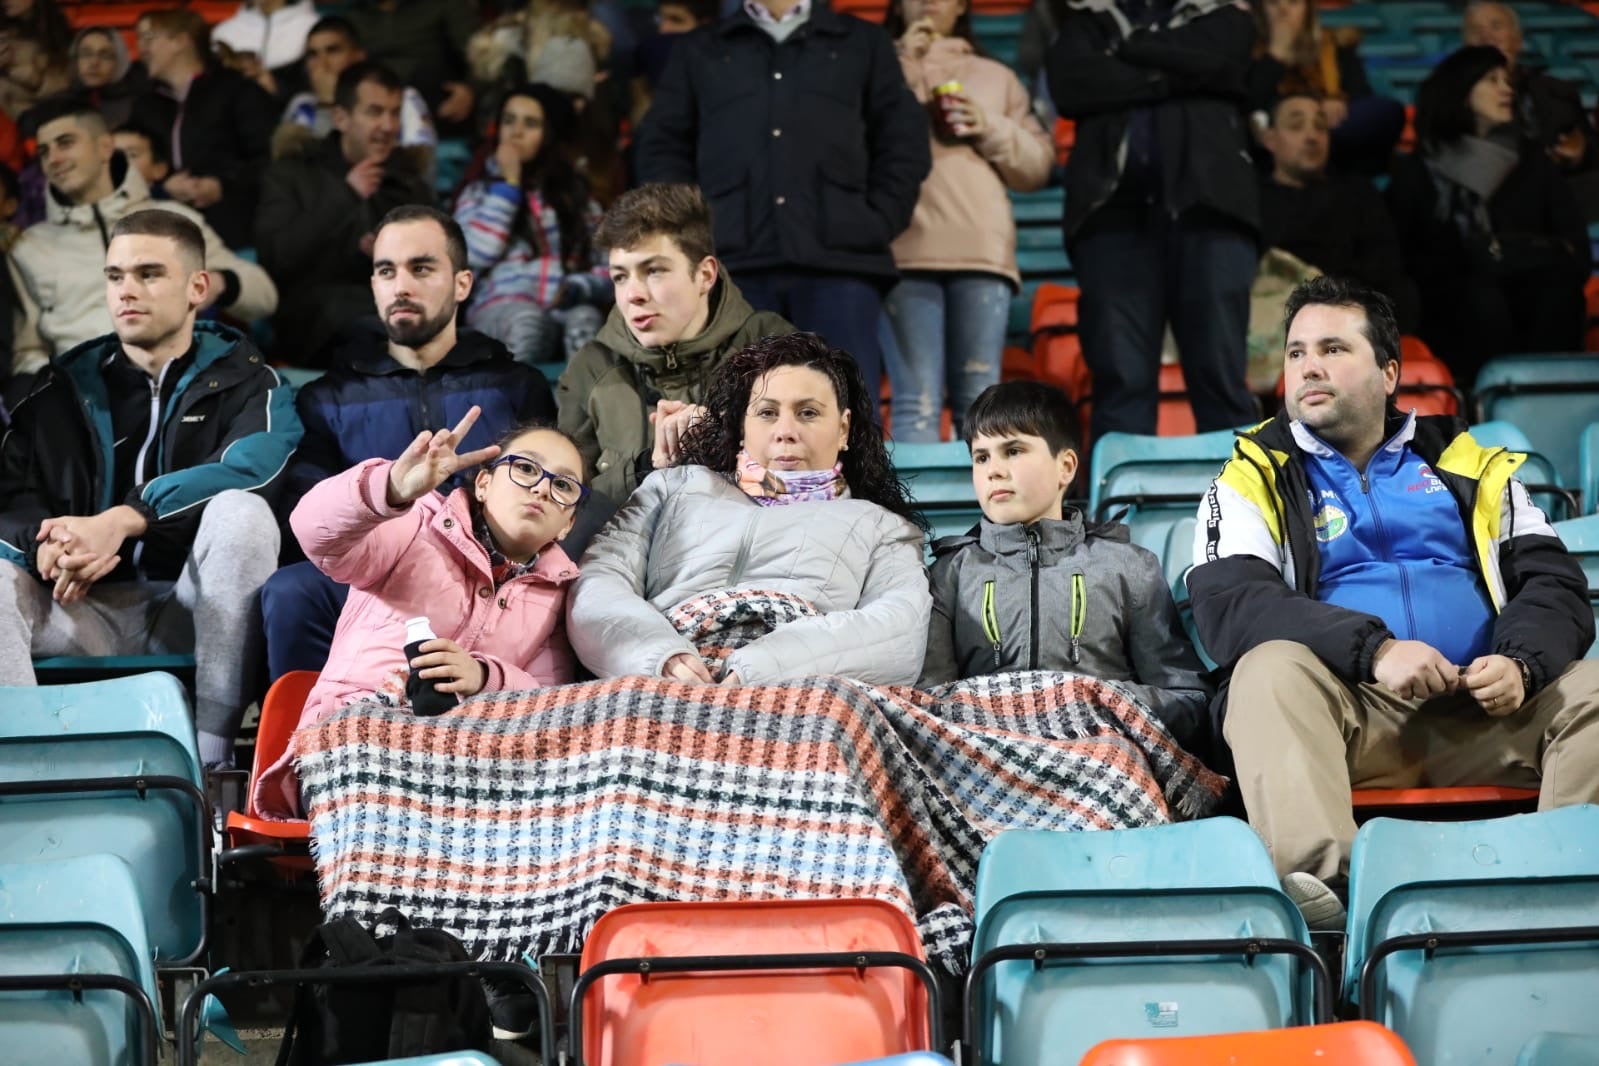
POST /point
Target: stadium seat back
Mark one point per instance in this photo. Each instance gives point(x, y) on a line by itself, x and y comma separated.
point(135, 726)
point(1589, 467)
point(280, 715)
point(1156, 481)
point(1341, 1044)
point(1193, 880)
point(73, 916)
point(1537, 473)
point(1551, 398)
point(1476, 1004)
point(1581, 538)
point(774, 1016)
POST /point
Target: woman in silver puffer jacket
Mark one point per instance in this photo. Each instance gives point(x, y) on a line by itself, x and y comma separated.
point(785, 487)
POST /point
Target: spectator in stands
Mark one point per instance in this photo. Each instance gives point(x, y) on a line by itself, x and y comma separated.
point(1549, 110)
point(221, 122)
point(321, 207)
point(1294, 55)
point(1490, 232)
point(1162, 207)
point(331, 47)
point(790, 427)
point(30, 70)
point(1029, 549)
point(272, 34)
point(62, 297)
point(946, 318)
point(1395, 610)
point(811, 178)
point(1337, 224)
point(37, 20)
point(385, 388)
point(673, 18)
point(183, 430)
point(529, 225)
point(554, 42)
point(410, 547)
point(103, 74)
point(424, 43)
point(10, 202)
point(627, 397)
point(146, 151)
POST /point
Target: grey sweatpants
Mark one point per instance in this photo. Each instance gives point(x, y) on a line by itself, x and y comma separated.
point(535, 335)
point(210, 609)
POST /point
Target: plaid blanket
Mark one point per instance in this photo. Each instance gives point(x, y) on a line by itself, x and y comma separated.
point(517, 820)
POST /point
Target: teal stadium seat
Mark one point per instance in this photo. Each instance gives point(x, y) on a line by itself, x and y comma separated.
point(76, 920)
point(939, 477)
point(69, 759)
point(1581, 538)
point(1537, 473)
point(1158, 481)
point(65, 669)
point(1551, 398)
point(1470, 939)
point(1170, 930)
point(1588, 468)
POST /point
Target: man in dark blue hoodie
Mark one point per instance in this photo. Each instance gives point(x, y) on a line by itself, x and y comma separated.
point(416, 372)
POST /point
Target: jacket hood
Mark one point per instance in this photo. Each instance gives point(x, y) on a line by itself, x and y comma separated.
point(729, 312)
point(129, 192)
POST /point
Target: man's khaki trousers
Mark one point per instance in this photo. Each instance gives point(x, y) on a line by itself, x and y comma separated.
point(1302, 737)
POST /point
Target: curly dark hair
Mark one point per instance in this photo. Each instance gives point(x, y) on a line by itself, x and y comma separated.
point(715, 440)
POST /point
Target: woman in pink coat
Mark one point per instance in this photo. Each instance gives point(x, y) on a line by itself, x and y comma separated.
point(482, 565)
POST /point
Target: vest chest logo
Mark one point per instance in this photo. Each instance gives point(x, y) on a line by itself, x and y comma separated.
point(193, 418)
point(1427, 482)
point(1330, 522)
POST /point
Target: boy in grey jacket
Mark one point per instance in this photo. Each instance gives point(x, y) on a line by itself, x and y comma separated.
point(1036, 588)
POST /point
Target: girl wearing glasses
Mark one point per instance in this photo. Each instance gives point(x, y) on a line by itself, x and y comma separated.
point(483, 564)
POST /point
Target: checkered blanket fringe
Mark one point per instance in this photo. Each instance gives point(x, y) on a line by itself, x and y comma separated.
point(517, 820)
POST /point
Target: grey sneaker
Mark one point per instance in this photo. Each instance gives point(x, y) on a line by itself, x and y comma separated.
point(1320, 905)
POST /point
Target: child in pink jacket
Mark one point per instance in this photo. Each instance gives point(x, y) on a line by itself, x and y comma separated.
point(482, 564)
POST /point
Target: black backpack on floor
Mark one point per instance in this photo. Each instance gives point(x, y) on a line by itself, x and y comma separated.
point(370, 1021)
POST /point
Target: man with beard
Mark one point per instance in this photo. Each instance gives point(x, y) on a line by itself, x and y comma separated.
point(419, 372)
point(319, 209)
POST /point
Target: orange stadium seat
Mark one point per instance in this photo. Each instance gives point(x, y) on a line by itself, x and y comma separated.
point(1341, 1044)
point(280, 713)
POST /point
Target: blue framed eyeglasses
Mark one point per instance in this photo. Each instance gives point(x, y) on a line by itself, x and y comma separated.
point(566, 491)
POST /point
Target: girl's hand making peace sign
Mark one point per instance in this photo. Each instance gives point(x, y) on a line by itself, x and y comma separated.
point(431, 459)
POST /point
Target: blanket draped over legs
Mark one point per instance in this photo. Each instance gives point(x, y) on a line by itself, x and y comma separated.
point(517, 820)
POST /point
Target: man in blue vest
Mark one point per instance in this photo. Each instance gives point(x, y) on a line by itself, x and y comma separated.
point(1395, 610)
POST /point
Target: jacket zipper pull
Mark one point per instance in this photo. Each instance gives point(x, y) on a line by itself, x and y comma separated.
point(1079, 613)
point(991, 623)
point(671, 357)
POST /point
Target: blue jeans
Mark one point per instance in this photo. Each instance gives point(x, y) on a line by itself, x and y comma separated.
point(842, 308)
point(1140, 270)
point(941, 330)
point(300, 608)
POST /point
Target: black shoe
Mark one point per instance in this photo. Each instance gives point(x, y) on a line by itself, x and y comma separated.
point(512, 1009)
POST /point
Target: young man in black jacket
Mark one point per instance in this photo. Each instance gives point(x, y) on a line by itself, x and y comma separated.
point(133, 516)
point(798, 125)
point(1162, 209)
point(1394, 609)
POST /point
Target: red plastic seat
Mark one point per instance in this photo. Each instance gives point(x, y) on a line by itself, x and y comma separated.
point(1341, 1044)
point(776, 1016)
point(280, 714)
point(1367, 799)
point(1175, 413)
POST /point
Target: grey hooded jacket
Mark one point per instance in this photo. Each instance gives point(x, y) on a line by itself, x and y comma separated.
point(689, 530)
point(1058, 596)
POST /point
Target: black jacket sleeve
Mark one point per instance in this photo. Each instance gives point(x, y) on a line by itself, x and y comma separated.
point(1547, 622)
point(898, 143)
point(668, 138)
point(306, 215)
point(1241, 601)
point(22, 506)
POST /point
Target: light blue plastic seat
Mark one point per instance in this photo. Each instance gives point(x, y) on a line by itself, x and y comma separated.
point(1206, 880)
point(939, 476)
point(1559, 1049)
point(1538, 474)
point(912, 1058)
point(131, 727)
point(76, 916)
point(1588, 468)
point(1463, 1004)
point(69, 669)
point(1552, 398)
point(1157, 480)
point(1581, 538)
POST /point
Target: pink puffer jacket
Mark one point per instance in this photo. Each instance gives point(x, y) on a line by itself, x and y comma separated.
point(404, 563)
